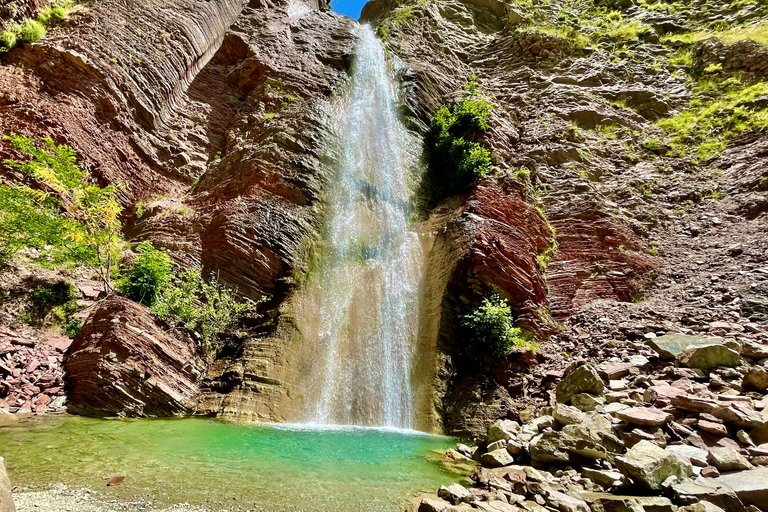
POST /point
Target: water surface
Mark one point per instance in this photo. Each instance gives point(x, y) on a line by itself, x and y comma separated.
point(207, 462)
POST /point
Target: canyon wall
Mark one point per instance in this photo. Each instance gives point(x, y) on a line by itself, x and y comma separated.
point(215, 114)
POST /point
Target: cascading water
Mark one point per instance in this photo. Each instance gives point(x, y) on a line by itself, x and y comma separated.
point(360, 306)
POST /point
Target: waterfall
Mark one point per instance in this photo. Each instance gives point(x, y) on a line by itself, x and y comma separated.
point(360, 306)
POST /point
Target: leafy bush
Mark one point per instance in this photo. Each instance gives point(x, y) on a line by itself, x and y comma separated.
point(489, 329)
point(32, 31)
point(91, 237)
point(72, 327)
point(52, 14)
point(59, 297)
point(29, 221)
point(208, 309)
point(456, 156)
point(8, 40)
point(149, 276)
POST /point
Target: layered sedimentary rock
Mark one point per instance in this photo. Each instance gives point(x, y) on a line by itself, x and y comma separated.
point(484, 241)
point(124, 362)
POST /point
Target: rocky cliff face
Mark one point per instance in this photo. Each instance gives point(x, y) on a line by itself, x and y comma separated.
point(215, 115)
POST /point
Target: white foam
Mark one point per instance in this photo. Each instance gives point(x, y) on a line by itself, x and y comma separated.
point(323, 427)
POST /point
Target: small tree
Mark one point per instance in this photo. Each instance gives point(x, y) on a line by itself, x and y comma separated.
point(92, 235)
point(490, 330)
point(151, 273)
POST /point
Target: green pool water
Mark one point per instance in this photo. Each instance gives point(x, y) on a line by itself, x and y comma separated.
point(224, 465)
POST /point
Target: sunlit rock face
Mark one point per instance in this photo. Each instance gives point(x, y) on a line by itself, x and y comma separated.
point(124, 362)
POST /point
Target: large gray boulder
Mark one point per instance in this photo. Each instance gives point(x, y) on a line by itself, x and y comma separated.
point(6, 501)
point(750, 486)
point(649, 465)
point(497, 458)
point(455, 494)
point(583, 379)
point(710, 491)
point(672, 345)
point(707, 357)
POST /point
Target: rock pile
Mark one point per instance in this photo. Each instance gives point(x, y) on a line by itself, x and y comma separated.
point(686, 429)
point(31, 374)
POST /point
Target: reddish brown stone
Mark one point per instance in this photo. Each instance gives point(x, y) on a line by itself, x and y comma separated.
point(713, 427)
point(124, 362)
point(649, 416)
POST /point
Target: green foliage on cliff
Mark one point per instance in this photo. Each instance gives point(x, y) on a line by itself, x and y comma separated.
point(32, 30)
point(457, 156)
point(151, 273)
point(720, 111)
point(489, 329)
point(90, 232)
point(206, 308)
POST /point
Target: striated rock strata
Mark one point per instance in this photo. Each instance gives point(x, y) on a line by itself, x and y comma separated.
point(124, 362)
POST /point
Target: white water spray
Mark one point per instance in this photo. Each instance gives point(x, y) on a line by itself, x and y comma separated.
point(361, 305)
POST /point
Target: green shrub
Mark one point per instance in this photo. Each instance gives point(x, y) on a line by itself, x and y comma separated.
point(457, 158)
point(72, 327)
point(151, 273)
point(32, 31)
point(207, 309)
point(8, 40)
point(720, 112)
point(59, 297)
point(489, 329)
point(52, 14)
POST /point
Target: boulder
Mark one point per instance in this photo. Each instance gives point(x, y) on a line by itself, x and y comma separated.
point(754, 350)
point(124, 362)
point(433, 505)
point(650, 465)
point(750, 486)
point(567, 415)
point(455, 494)
point(565, 503)
point(604, 502)
point(497, 458)
point(672, 345)
point(502, 430)
point(548, 447)
point(709, 356)
point(727, 459)
point(708, 490)
point(586, 402)
point(604, 477)
point(648, 416)
point(756, 378)
point(740, 414)
point(583, 379)
point(689, 454)
point(6, 501)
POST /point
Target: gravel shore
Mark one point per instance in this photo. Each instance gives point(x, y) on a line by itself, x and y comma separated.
point(59, 498)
